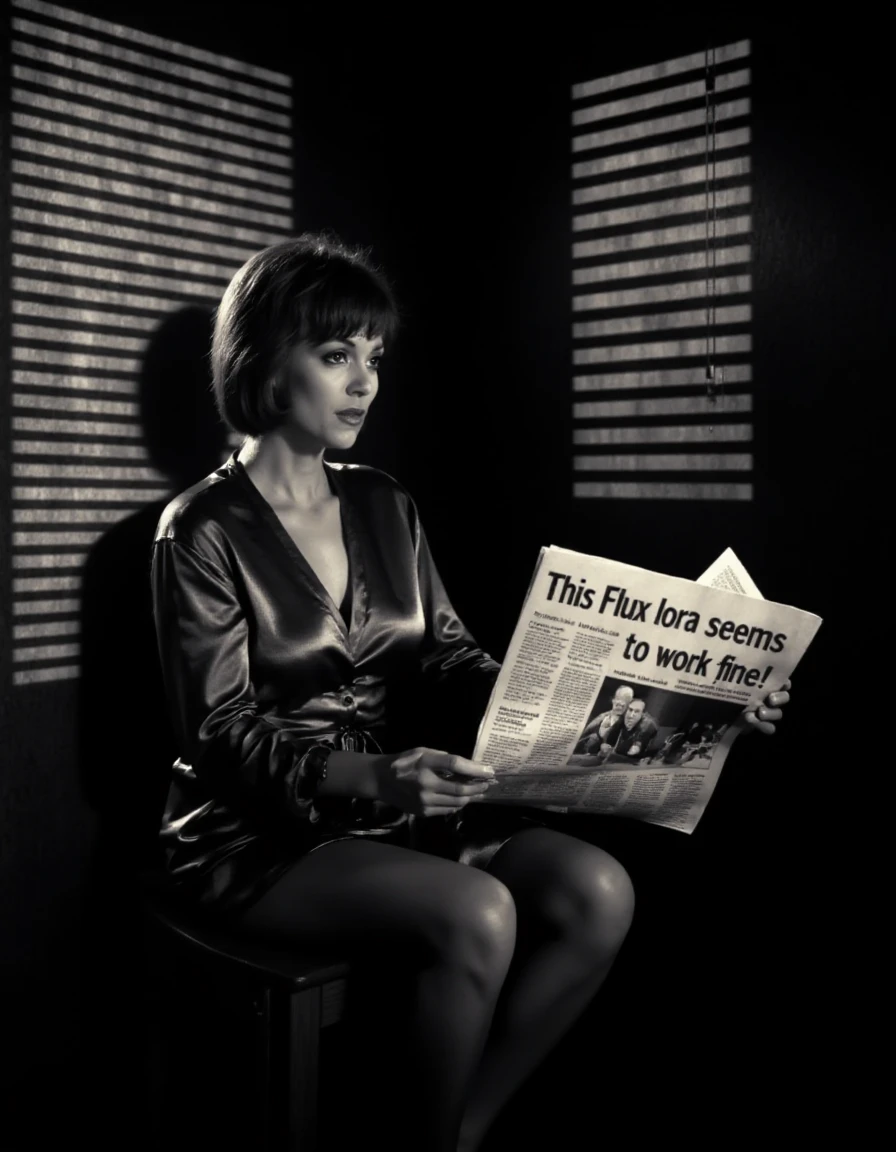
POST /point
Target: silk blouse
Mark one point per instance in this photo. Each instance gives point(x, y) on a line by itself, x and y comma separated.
point(260, 664)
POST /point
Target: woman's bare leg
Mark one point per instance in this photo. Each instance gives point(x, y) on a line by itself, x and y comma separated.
point(574, 907)
point(448, 930)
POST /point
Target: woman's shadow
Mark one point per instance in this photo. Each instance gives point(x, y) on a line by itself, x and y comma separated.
point(126, 744)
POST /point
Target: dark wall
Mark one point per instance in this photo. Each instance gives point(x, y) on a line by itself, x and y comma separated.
point(452, 160)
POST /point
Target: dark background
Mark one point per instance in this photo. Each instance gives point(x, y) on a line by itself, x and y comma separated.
point(445, 145)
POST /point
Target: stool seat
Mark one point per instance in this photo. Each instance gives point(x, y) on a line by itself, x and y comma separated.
point(278, 966)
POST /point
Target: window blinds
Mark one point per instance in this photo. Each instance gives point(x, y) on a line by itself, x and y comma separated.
point(661, 281)
point(143, 173)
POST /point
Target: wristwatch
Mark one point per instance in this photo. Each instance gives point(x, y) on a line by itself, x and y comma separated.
point(313, 770)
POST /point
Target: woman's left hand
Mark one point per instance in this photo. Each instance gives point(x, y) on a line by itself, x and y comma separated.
point(769, 711)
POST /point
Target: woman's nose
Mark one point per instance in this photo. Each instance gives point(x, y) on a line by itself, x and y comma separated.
point(363, 381)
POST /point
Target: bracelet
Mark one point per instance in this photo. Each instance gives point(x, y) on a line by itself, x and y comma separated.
point(313, 770)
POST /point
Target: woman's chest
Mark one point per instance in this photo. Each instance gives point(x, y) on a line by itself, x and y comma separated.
point(320, 540)
point(294, 585)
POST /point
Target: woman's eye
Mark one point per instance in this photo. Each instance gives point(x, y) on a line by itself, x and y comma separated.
point(337, 357)
point(375, 362)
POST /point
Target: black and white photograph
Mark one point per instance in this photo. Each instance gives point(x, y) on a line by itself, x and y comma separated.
point(317, 327)
point(643, 726)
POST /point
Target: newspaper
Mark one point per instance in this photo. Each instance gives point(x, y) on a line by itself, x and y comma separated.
point(623, 690)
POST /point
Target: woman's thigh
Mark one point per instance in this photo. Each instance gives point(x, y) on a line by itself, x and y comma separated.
point(359, 893)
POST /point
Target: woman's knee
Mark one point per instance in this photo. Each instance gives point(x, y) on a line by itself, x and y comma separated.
point(594, 901)
point(608, 897)
point(578, 893)
point(472, 923)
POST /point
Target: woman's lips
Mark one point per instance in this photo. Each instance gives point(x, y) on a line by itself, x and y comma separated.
point(353, 416)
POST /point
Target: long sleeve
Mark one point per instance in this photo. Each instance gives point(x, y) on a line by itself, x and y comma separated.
point(244, 754)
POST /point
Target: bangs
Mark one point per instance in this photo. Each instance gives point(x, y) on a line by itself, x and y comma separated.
point(345, 301)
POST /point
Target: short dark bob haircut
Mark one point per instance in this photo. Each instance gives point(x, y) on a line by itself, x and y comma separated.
point(312, 288)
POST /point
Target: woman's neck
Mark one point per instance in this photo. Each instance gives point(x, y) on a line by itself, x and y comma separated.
point(284, 474)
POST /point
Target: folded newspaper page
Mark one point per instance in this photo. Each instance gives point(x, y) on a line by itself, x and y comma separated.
point(622, 690)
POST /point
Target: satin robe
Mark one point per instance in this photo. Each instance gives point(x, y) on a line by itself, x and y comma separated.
point(259, 664)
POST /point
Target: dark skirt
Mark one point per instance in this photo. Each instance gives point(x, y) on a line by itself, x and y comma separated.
point(475, 835)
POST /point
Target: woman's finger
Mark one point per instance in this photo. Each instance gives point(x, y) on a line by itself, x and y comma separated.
point(763, 712)
point(759, 724)
point(448, 765)
point(440, 785)
point(776, 699)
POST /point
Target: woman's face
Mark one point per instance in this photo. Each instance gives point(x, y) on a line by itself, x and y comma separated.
point(331, 386)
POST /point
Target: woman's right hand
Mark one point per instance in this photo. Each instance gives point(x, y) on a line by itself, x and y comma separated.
point(426, 782)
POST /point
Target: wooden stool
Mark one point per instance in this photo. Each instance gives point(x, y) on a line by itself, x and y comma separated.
point(286, 1001)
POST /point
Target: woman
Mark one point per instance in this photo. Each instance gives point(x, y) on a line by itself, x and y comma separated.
point(301, 625)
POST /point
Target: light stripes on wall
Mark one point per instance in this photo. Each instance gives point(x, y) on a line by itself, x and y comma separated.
point(662, 284)
point(143, 173)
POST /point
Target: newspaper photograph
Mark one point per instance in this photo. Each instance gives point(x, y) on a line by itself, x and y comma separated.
point(622, 689)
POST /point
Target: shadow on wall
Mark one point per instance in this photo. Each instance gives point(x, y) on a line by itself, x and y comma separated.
point(126, 741)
